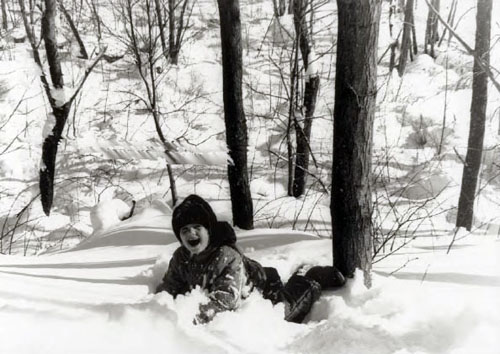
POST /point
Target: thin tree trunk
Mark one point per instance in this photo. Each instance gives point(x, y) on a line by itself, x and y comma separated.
point(279, 7)
point(5, 24)
point(431, 30)
point(303, 133)
point(181, 28)
point(60, 111)
point(83, 51)
point(434, 32)
point(414, 33)
point(304, 137)
point(171, 31)
point(161, 27)
point(299, 20)
point(450, 20)
point(97, 19)
point(406, 41)
point(292, 108)
point(478, 117)
point(354, 110)
point(234, 115)
point(428, 29)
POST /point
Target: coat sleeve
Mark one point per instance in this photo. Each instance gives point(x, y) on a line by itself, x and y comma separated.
point(229, 277)
point(173, 281)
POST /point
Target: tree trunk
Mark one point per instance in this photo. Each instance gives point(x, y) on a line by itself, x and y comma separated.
point(279, 7)
point(171, 32)
point(97, 19)
point(83, 51)
point(303, 133)
point(301, 30)
point(161, 26)
point(355, 93)
point(478, 117)
point(414, 33)
point(431, 30)
point(406, 41)
point(60, 110)
point(234, 115)
point(304, 137)
point(5, 24)
point(450, 20)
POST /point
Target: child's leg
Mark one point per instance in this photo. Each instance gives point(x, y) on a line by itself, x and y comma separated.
point(327, 276)
point(273, 287)
point(299, 294)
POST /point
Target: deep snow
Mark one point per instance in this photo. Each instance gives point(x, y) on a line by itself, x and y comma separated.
point(96, 298)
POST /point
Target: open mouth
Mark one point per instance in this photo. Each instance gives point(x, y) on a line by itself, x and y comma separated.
point(194, 242)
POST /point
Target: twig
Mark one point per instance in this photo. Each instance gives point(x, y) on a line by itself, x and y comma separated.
point(484, 67)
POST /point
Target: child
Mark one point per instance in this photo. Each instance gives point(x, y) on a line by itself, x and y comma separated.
point(209, 258)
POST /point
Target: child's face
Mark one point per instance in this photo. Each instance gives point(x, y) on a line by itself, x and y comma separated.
point(194, 237)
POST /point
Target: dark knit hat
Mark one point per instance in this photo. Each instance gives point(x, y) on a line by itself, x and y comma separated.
point(193, 210)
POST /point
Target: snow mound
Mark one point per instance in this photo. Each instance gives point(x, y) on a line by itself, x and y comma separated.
point(108, 213)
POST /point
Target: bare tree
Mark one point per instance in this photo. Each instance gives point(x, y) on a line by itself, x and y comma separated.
point(354, 110)
point(407, 37)
point(5, 24)
point(178, 23)
point(478, 116)
point(146, 44)
point(234, 114)
point(431, 29)
point(74, 30)
point(304, 126)
point(59, 104)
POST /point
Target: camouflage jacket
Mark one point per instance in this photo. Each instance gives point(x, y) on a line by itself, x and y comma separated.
point(220, 271)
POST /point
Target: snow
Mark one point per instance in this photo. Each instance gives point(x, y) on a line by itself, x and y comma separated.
point(98, 298)
point(108, 213)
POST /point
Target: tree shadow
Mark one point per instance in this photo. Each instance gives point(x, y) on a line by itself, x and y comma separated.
point(89, 265)
point(135, 280)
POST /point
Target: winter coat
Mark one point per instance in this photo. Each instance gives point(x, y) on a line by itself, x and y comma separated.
point(226, 274)
point(223, 271)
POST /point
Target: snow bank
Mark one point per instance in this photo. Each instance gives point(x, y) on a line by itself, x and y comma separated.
point(99, 300)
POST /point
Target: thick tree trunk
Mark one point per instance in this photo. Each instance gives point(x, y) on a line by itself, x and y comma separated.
point(354, 110)
point(406, 42)
point(234, 115)
point(478, 117)
point(83, 51)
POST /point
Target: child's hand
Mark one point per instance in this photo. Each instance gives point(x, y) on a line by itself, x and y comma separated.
point(206, 314)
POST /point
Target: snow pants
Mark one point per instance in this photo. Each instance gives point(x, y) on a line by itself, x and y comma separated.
point(301, 291)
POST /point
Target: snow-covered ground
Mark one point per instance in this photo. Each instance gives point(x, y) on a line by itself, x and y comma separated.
point(96, 298)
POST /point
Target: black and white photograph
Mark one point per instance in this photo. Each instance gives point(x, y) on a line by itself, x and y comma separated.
point(249, 176)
